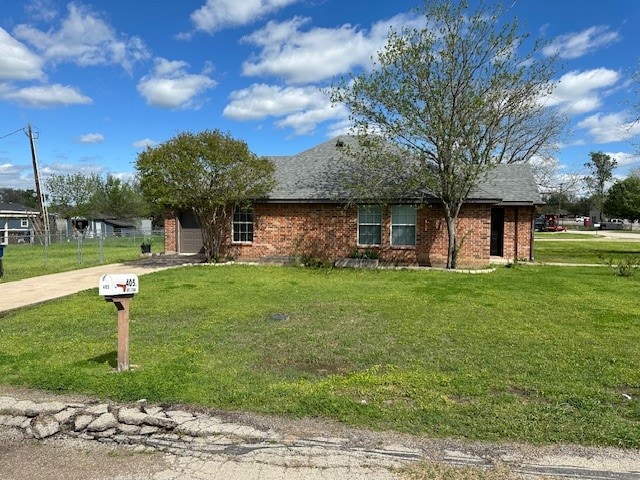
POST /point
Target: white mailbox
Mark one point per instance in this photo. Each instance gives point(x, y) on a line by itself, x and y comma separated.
point(113, 285)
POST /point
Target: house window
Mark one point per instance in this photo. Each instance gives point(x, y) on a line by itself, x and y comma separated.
point(369, 225)
point(243, 225)
point(403, 225)
point(24, 223)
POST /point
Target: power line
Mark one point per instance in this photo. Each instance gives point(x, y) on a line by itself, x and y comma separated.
point(12, 133)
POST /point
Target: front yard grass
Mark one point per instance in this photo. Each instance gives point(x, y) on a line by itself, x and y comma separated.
point(25, 260)
point(532, 354)
point(586, 250)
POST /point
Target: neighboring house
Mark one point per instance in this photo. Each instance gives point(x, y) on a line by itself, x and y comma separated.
point(111, 227)
point(301, 217)
point(16, 223)
point(106, 227)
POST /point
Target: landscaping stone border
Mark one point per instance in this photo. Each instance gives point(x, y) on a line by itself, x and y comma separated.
point(154, 428)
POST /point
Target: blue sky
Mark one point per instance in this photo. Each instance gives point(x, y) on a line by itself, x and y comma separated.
point(100, 80)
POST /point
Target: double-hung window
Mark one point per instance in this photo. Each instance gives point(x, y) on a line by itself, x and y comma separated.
point(403, 225)
point(242, 225)
point(369, 225)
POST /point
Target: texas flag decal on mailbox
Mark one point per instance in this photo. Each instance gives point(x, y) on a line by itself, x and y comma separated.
point(118, 284)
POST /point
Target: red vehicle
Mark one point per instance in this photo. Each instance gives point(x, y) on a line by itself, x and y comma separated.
point(552, 224)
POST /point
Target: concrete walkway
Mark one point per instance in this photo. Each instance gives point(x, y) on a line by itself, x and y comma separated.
point(32, 291)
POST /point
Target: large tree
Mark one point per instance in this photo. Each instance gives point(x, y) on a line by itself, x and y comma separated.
point(120, 199)
point(623, 199)
point(72, 195)
point(15, 195)
point(208, 173)
point(457, 96)
point(87, 196)
point(600, 168)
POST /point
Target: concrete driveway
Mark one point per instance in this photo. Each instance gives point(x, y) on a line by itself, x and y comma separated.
point(32, 291)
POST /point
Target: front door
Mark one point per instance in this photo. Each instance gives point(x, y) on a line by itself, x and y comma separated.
point(190, 234)
point(496, 249)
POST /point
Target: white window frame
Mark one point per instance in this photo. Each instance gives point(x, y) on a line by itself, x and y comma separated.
point(246, 236)
point(396, 224)
point(361, 212)
point(24, 222)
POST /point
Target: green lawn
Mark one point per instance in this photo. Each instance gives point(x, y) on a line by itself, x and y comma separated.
point(586, 250)
point(533, 354)
point(25, 260)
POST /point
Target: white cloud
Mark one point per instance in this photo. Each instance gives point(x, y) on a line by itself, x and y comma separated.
point(16, 176)
point(16, 61)
point(300, 108)
point(578, 44)
point(85, 39)
point(170, 86)
point(260, 101)
point(306, 121)
point(42, 10)
point(91, 138)
point(217, 14)
point(71, 168)
point(624, 158)
point(318, 53)
point(581, 92)
point(614, 127)
point(144, 143)
point(47, 96)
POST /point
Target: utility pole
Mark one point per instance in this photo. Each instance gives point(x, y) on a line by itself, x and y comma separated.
point(44, 214)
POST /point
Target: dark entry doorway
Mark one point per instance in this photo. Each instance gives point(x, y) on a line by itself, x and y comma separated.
point(496, 249)
point(190, 234)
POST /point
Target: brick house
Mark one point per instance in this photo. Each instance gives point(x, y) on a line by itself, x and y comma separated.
point(301, 218)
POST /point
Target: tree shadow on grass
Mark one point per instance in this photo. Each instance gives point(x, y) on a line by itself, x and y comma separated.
point(110, 357)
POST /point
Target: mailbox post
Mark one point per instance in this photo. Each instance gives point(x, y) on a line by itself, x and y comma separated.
point(120, 289)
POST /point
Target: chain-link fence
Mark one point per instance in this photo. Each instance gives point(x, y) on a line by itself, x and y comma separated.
point(31, 255)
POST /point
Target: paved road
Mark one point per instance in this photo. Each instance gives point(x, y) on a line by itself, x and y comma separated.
point(616, 234)
point(216, 446)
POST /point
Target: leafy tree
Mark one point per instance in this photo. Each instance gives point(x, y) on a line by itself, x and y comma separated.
point(73, 195)
point(207, 173)
point(15, 195)
point(118, 199)
point(87, 196)
point(457, 98)
point(623, 199)
point(601, 168)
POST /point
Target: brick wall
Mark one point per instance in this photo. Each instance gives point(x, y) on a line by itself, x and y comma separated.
point(517, 233)
point(329, 231)
point(170, 232)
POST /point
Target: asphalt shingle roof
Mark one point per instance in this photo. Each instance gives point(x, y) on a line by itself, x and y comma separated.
point(15, 207)
point(307, 177)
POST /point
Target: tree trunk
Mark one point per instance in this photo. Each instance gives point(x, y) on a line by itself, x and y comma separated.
point(452, 249)
point(213, 228)
point(451, 213)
